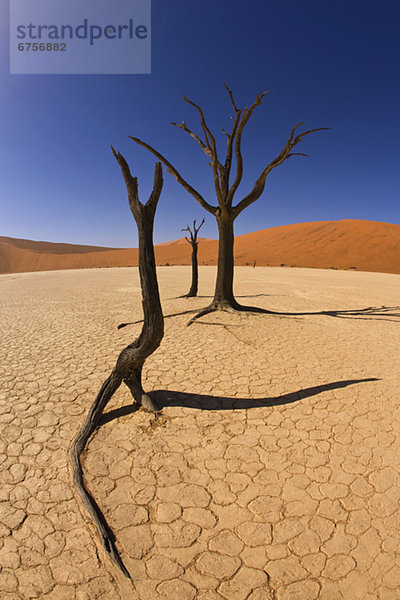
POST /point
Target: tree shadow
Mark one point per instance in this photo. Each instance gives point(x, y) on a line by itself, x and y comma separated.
point(178, 314)
point(369, 313)
point(218, 324)
point(245, 296)
point(167, 398)
point(122, 411)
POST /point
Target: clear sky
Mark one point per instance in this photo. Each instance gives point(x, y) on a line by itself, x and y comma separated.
point(332, 64)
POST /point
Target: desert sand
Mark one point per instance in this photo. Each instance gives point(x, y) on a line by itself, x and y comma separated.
point(345, 244)
point(273, 472)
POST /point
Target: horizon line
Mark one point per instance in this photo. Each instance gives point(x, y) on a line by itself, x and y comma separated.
point(202, 238)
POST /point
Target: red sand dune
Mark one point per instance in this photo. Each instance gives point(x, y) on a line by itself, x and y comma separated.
point(346, 244)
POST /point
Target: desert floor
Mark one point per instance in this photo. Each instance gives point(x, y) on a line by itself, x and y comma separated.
point(273, 472)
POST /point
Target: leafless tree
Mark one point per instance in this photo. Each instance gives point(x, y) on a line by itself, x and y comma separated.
point(224, 212)
point(128, 368)
point(194, 242)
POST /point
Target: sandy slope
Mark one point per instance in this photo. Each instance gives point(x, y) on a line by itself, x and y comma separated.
point(346, 244)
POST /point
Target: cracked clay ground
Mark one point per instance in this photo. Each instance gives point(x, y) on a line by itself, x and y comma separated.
point(273, 472)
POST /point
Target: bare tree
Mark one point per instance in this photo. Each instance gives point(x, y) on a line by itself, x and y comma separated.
point(193, 241)
point(224, 212)
point(128, 368)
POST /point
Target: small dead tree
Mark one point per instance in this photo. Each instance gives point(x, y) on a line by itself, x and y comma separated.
point(128, 368)
point(193, 241)
point(224, 212)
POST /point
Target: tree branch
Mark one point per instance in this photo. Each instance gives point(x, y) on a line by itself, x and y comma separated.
point(132, 186)
point(193, 234)
point(196, 230)
point(229, 144)
point(157, 187)
point(210, 139)
point(171, 169)
point(238, 152)
point(131, 182)
point(217, 168)
point(191, 241)
point(235, 108)
point(206, 149)
point(285, 153)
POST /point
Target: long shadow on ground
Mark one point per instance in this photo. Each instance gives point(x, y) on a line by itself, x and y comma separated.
point(380, 313)
point(366, 313)
point(245, 296)
point(165, 398)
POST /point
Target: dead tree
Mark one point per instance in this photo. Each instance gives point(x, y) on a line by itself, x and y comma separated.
point(128, 368)
point(224, 212)
point(193, 241)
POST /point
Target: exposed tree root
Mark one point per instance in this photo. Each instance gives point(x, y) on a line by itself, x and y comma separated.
point(178, 314)
point(227, 307)
point(205, 311)
point(131, 366)
point(92, 420)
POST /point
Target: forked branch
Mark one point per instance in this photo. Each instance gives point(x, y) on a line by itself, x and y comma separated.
point(193, 234)
point(229, 144)
point(244, 119)
point(218, 170)
point(285, 153)
point(210, 139)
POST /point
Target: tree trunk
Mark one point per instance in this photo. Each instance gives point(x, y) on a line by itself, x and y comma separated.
point(129, 364)
point(153, 328)
point(195, 272)
point(223, 295)
point(153, 320)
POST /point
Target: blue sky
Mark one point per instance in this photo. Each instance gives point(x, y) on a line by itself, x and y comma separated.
point(333, 64)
